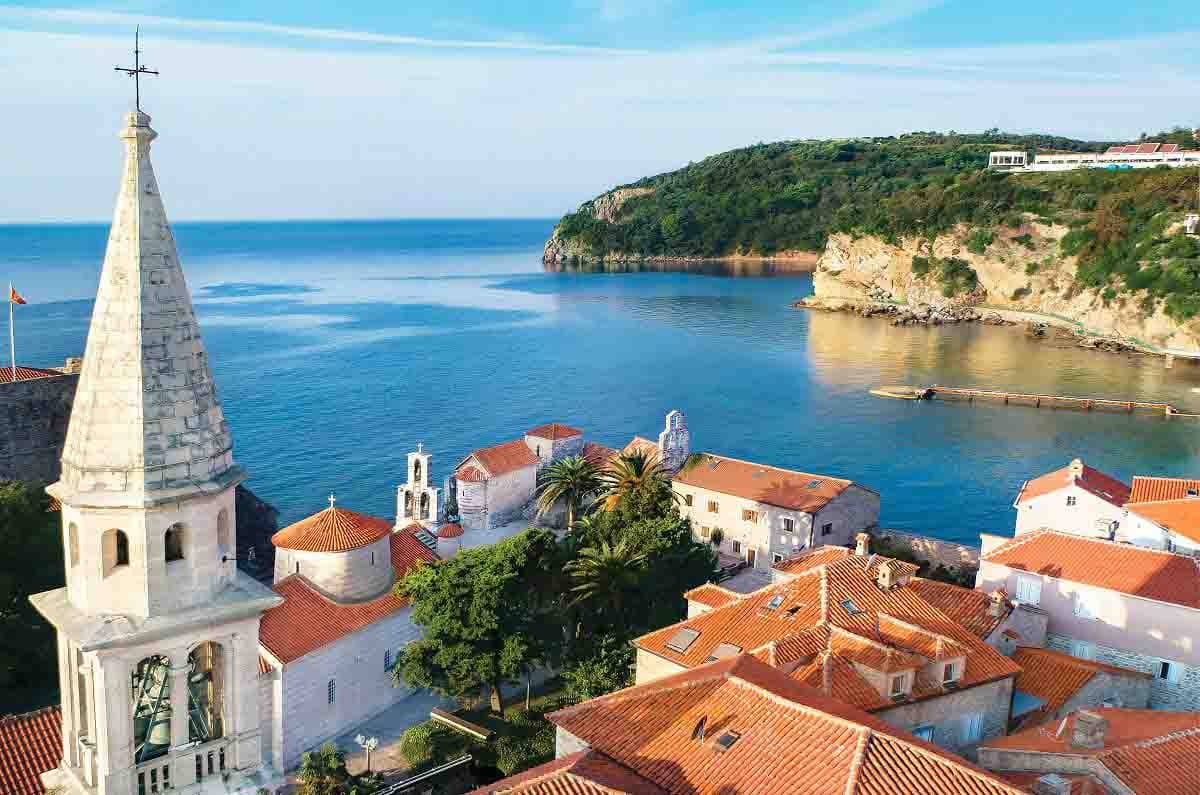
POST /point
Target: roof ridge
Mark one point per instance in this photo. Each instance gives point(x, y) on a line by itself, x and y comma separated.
point(856, 764)
point(777, 469)
point(33, 713)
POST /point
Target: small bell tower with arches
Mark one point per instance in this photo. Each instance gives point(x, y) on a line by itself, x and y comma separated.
point(416, 500)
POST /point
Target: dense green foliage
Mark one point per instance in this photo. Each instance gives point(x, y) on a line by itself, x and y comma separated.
point(323, 772)
point(793, 195)
point(32, 563)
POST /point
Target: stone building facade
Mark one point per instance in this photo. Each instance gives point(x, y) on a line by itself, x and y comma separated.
point(957, 721)
point(34, 411)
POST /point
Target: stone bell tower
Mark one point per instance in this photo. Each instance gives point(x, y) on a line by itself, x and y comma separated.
point(416, 500)
point(157, 628)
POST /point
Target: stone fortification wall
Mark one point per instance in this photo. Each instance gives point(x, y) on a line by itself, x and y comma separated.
point(33, 426)
point(931, 549)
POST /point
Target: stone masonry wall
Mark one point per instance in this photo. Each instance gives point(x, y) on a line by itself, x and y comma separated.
point(934, 550)
point(948, 714)
point(1181, 695)
point(1130, 692)
point(33, 427)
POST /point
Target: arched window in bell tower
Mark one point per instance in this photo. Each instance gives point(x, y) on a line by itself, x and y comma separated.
point(206, 693)
point(417, 471)
point(424, 505)
point(408, 503)
point(151, 708)
point(73, 543)
point(173, 542)
point(224, 541)
point(114, 547)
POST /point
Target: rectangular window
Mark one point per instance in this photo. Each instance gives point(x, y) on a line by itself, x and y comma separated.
point(1029, 591)
point(713, 507)
point(1168, 671)
point(777, 557)
point(221, 758)
point(749, 516)
point(387, 659)
point(900, 685)
point(1070, 500)
point(211, 766)
point(924, 733)
point(331, 691)
point(687, 500)
point(973, 728)
point(1083, 609)
point(737, 547)
point(949, 673)
point(827, 529)
point(1083, 650)
point(142, 783)
point(789, 525)
point(706, 533)
point(199, 767)
point(751, 556)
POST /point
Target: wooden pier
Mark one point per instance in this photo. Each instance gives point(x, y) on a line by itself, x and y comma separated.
point(1029, 399)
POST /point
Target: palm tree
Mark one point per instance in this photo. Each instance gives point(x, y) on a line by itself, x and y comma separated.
point(323, 772)
point(602, 575)
point(573, 481)
point(630, 472)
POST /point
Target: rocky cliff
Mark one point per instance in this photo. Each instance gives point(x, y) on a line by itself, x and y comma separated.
point(1018, 270)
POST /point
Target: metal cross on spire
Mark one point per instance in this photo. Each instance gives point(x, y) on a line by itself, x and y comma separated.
point(332, 501)
point(137, 71)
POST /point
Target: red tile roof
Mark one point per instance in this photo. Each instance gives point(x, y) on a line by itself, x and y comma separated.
point(469, 474)
point(1091, 480)
point(970, 608)
point(26, 373)
point(597, 454)
point(817, 615)
point(30, 744)
point(1181, 517)
point(1152, 752)
point(500, 459)
point(711, 595)
point(1056, 677)
point(781, 738)
point(1148, 489)
point(1148, 573)
point(783, 488)
point(308, 620)
point(581, 773)
point(640, 444)
point(452, 530)
point(333, 530)
point(554, 431)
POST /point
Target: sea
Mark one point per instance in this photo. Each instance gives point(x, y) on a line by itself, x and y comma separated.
point(337, 347)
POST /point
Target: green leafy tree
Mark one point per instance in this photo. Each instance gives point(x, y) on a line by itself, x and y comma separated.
point(607, 669)
point(323, 772)
point(487, 615)
point(33, 563)
point(572, 481)
point(604, 577)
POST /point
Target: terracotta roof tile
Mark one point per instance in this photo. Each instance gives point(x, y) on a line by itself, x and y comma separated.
point(1152, 752)
point(782, 738)
point(581, 773)
point(26, 373)
point(640, 444)
point(469, 474)
point(597, 454)
point(452, 530)
point(332, 530)
point(711, 595)
point(1181, 517)
point(30, 744)
point(554, 431)
point(968, 607)
point(1148, 489)
point(1055, 677)
point(500, 459)
point(1095, 482)
point(308, 620)
point(819, 611)
point(1129, 569)
point(783, 488)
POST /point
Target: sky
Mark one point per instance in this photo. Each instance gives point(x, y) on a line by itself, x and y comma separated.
point(514, 108)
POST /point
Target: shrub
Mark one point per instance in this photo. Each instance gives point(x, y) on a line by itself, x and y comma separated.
point(1074, 241)
point(1025, 240)
point(1032, 267)
point(1020, 293)
point(1084, 201)
point(979, 241)
point(921, 265)
point(957, 277)
point(1109, 295)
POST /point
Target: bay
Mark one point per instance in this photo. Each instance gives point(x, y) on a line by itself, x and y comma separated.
point(337, 346)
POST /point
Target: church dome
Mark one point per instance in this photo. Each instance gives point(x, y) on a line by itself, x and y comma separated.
point(332, 530)
point(452, 530)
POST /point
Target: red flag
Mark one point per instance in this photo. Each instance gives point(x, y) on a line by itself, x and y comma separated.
point(13, 296)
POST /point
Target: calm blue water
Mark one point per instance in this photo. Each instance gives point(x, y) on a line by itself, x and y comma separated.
point(338, 346)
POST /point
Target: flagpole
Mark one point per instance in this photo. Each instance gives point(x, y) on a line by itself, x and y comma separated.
point(12, 337)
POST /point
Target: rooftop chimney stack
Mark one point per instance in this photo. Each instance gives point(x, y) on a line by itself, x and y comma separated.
point(862, 544)
point(1052, 784)
point(1077, 468)
point(885, 577)
point(1089, 730)
point(996, 606)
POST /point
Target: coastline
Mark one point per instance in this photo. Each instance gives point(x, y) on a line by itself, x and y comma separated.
point(783, 261)
point(951, 314)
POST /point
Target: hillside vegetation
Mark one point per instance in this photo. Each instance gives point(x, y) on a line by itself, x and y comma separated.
point(792, 196)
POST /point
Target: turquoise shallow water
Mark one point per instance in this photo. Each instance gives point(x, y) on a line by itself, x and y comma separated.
point(338, 346)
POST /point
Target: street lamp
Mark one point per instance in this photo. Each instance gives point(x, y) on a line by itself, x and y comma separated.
point(368, 744)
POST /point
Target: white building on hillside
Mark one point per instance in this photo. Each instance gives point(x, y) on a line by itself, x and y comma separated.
point(1076, 499)
point(1142, 155)
point(1163, 513)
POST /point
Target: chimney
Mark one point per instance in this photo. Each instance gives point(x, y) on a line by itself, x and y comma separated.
point(74, 364)
point(1052, 784)
point(996, 607)
point(1077, 468)
point(1089, 730)
point(862, 544)
point(885, 577)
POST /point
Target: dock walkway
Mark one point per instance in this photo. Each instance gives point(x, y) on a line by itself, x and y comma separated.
point(1035, 400)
